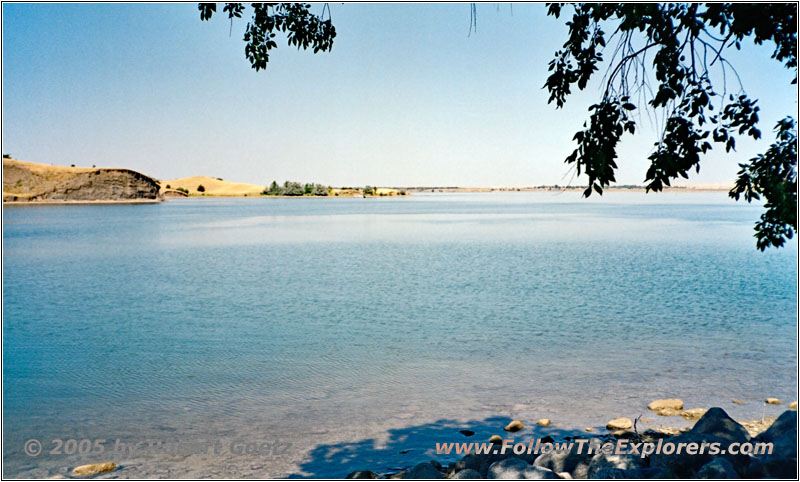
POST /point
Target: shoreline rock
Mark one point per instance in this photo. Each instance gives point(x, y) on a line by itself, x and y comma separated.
point(666, 408)
point(621, 423)
point(514, 426)
point(94, 469)
point(712, 426)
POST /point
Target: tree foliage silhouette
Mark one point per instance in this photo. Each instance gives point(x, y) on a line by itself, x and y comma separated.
point(302, 28)
point(688, 43)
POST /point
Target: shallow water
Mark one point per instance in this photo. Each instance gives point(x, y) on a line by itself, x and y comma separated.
point(357, 329)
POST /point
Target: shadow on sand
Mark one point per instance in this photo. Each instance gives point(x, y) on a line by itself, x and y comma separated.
point(405, 447)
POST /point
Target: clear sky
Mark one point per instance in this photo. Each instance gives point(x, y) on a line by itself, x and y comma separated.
point(405, 97)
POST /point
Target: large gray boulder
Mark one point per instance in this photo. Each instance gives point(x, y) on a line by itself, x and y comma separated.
point(607, 461)
point(782, 462)
point(716, 422)
point(719, 468)
point(469, 461)
point(423, 471)
point(482, 462)
point(685, 465)
point(467, 474)
point(511, 468)
point(576, 464)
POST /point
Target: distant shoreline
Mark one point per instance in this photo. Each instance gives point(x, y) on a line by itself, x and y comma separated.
point(420, 190)
point(26, 183)
point(555, 188)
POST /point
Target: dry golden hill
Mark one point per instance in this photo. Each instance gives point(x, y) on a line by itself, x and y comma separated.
point(213, 186)
point(31, 182)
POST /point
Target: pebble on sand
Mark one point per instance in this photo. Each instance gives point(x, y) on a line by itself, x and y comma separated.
point(92, 469)
point(773, 401)
point(514, 426)
point(544, 422)
point(793, 406)
point(496, 439)
point(739, 402)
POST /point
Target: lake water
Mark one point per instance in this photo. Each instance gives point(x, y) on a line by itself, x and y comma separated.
point(361, 330)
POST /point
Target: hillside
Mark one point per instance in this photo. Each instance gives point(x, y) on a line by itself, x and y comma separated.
point(213, 186)
point(32, 182)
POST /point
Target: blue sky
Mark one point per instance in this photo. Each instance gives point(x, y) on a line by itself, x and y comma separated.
point(404, 98)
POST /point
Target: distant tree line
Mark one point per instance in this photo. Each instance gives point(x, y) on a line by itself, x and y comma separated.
point(290, 188)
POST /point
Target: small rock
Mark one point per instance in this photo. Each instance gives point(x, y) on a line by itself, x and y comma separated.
point(467, 433)
point(589, 429)
point(544, 422)
point(739, 402)
point(514, 426)
point(668, 412)
point(793, 406)
point(423, 471)
point(362, 474)
point(496, 439)
point(667, 430)
point(666, 408)
point(693, 414)
point(621, 423)
point(467, 474)
point(718, 468)
point(773, 401)
point(92, 469)
point(511, 468)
